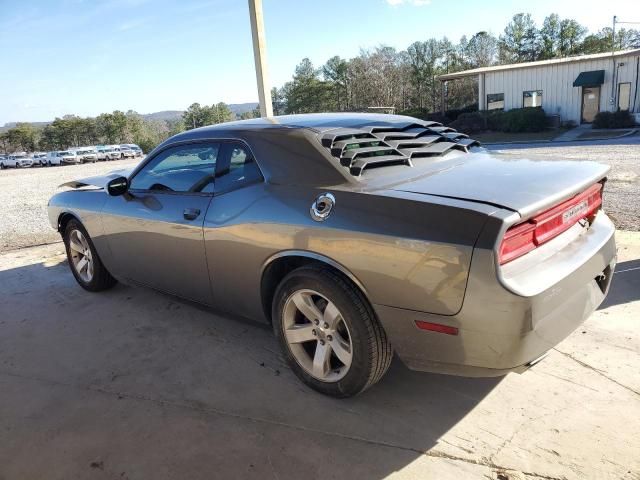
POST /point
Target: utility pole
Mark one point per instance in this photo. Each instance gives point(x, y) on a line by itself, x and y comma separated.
point(260, 57)
point(612, 99)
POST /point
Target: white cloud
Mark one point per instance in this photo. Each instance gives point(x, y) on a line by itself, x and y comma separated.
point(415, 3)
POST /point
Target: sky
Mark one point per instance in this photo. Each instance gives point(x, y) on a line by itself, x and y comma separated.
point(86, 57)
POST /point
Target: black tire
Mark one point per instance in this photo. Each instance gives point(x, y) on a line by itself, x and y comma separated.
point(372, 353)
point(102, 279)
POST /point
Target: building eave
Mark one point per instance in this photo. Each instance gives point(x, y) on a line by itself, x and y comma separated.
point(540, 63)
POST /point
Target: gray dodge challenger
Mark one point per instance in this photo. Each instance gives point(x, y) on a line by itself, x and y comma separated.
point(355, 236)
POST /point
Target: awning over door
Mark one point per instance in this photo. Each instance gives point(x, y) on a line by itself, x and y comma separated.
point(589, 79)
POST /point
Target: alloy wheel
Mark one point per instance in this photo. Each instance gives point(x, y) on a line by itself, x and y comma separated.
point(81, 256)
point(317, 335)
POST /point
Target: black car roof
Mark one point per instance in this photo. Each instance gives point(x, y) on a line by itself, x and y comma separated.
point(320, 122)
point(334, 148)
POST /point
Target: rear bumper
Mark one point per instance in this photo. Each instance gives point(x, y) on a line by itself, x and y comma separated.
point(503, 329)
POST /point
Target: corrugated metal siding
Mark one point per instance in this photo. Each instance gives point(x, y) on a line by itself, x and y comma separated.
point(559, 96)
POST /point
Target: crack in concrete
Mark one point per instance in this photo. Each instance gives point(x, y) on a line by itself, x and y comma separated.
point(599, 372)
point(484, 462)
point(541, 372)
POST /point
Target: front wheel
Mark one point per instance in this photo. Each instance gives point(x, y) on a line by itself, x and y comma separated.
point(85, 264)
point(329, 333)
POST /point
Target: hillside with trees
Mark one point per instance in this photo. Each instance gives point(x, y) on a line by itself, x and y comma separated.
point(378, 77)
point(407, 79)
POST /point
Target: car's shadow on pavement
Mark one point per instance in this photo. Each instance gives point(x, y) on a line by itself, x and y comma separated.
point(128, 369)
point(625, 286)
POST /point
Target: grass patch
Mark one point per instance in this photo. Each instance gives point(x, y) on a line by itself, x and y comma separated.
point(602, 134)
point(506, 137)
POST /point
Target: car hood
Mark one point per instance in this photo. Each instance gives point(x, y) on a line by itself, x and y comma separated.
point(99, 181)
point(523, 185)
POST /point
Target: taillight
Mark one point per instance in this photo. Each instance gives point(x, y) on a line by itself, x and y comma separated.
point(524, 237)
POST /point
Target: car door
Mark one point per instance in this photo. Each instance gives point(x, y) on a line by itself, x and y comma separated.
point(230, 233)
point(155, 231)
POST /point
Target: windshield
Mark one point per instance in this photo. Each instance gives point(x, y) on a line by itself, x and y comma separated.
point(20, 157)
point(64, 154)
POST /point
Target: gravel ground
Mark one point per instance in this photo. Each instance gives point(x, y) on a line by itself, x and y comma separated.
point(24, 194)
point(622, 190)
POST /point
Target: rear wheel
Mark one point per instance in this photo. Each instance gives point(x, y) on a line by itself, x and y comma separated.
point(85, 264)
point(329, 334)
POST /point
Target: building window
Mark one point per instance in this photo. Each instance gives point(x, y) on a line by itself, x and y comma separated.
point(624, 96)
point(495, 101)
point(532, 98)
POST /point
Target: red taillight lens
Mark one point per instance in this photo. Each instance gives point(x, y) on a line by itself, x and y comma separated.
point(524, 237)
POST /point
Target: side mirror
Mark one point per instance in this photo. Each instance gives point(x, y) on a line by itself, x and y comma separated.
point(118, 186)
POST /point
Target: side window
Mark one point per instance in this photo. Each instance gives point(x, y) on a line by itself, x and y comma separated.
point(185, 168)
point(236, 167)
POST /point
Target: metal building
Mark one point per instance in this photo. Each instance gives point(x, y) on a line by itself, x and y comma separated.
point(575, 88)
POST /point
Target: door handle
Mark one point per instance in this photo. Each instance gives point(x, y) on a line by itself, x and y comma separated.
point(191, 213)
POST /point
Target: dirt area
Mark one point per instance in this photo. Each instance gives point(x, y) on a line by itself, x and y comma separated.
point(132, 384)
point(25, 192)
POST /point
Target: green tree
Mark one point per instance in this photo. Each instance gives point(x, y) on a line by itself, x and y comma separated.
point(23, 137)
point(195, 116)
point(220, 113)
point(481, 50)
point(550, 37)
point(520, 41)
point(306, 92)
point(336, 73)
point(571, 37)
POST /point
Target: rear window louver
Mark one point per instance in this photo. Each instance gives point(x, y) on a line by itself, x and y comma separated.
point(374, 146)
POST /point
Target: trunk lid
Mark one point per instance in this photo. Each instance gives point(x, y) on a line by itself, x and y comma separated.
point(522, 185)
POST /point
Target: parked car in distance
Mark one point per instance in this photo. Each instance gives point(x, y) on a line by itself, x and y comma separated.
point(111, 153)
point(101, 153)
point(86, 155)
point(39, 159)
point(18, 160)
point(126, 151)
point(61, 157)
point(136, 149)
point(354, 236)
point(53, 159)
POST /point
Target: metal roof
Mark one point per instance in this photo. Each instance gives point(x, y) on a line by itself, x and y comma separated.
point(541, 63)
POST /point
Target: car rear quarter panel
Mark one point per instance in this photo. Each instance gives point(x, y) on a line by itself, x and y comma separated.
point(402, 250)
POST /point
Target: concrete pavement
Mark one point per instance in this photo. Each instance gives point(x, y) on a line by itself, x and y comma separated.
point(134, 384)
